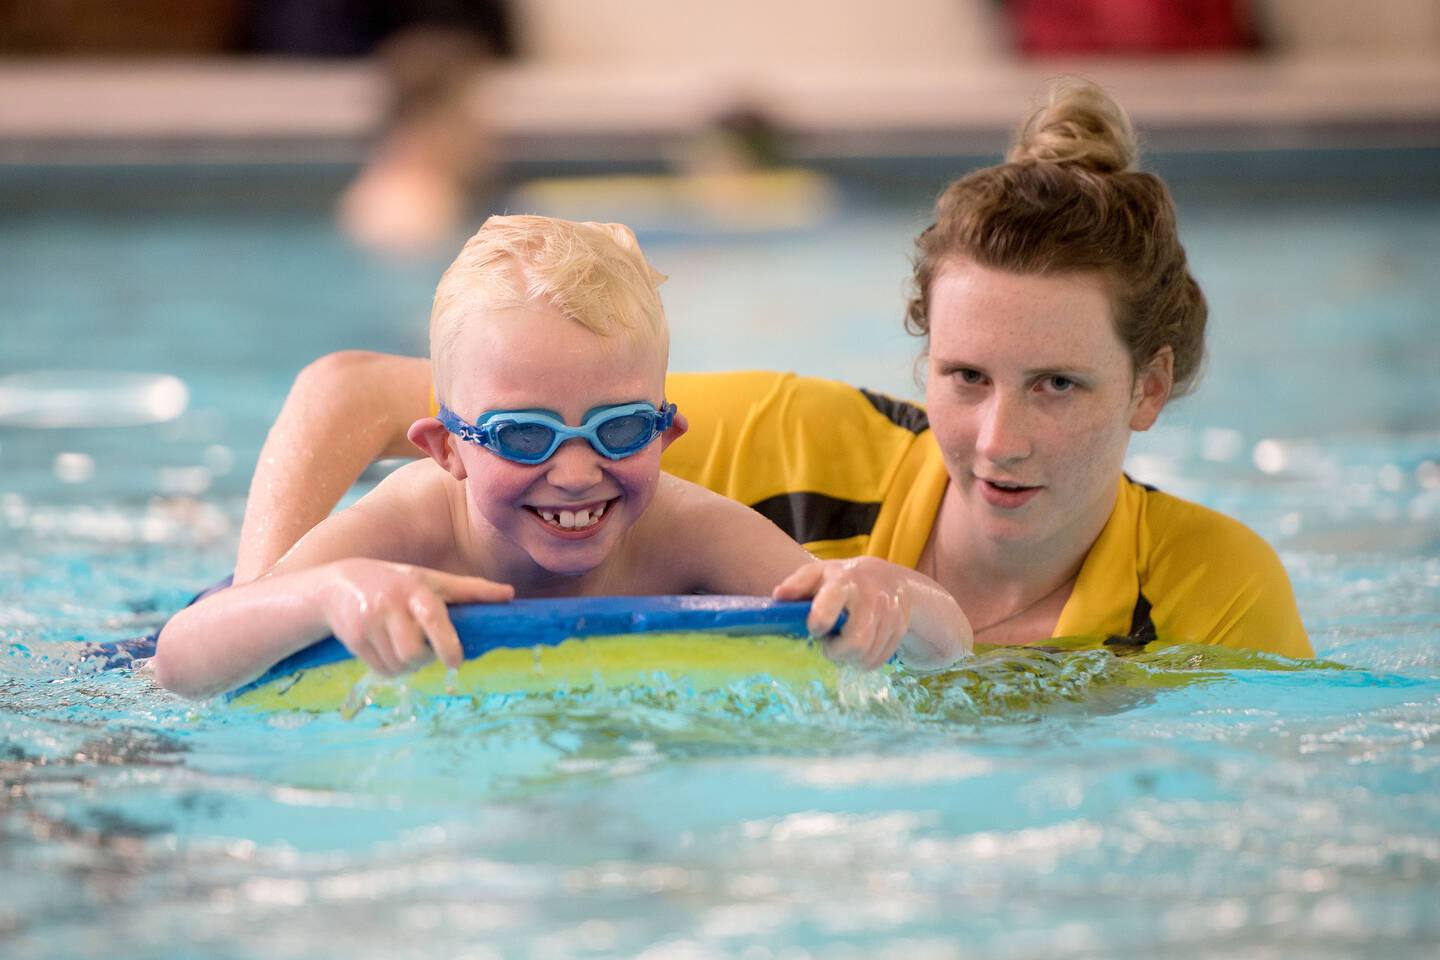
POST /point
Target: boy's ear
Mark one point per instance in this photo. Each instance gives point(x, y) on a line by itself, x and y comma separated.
point(430, 435)
point(675, 431)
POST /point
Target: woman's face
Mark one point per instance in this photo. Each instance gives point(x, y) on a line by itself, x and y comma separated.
point(1032, 398)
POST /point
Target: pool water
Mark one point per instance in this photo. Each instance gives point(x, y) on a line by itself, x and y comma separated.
point(1192, 802)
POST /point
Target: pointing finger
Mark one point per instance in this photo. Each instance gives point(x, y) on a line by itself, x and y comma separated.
point(453, 588)
point(434, 619)
point(800, 585)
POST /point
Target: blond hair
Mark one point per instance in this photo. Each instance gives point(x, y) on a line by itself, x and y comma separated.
point(594, 273)
point(1068, 198)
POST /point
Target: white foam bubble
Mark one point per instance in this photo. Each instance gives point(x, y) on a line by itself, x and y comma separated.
point(1270, 456)
point(1391, 478)
point(1428, 475)
point(219, 459)
point(1220, 444)
point(74, 467)
point(50, 399)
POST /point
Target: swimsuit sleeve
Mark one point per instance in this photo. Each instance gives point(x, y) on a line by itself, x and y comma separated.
point(819, 458)
point(1170, 570)
point(1211, 579)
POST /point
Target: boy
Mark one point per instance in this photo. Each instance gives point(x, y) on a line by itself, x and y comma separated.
point(549, 347)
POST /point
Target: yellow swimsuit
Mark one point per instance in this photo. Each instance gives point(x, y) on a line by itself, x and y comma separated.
point(847, 472)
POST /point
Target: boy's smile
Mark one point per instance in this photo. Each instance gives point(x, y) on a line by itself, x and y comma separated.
point(581, 521)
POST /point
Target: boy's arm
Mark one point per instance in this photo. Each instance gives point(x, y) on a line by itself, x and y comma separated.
point(725, 547)
point(391, 615)
point(354, 576)
point(344, 411)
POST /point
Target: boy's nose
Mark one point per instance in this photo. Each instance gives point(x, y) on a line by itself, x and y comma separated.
point(574, 466)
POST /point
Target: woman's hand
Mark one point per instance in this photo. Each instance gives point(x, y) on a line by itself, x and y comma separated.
point(886, 606)
point(393, 616)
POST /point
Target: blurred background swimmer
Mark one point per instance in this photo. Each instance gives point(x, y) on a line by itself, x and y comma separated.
point(434, 150)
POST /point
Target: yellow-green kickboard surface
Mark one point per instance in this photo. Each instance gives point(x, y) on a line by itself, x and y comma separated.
point(701, 661)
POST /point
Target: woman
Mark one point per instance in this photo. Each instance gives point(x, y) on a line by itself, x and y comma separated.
point(1059, 315)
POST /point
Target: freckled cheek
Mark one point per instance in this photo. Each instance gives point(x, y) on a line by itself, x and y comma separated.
point(954, 430)
point(1094, 445)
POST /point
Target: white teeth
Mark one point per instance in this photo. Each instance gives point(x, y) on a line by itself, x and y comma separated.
point(572, 519)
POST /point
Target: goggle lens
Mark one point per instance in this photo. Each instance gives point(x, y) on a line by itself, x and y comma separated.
point(523, 441)
point(626, 432)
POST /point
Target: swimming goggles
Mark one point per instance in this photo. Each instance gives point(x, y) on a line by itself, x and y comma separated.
point(532, 436)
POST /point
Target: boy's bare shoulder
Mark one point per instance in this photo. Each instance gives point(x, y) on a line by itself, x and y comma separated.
point(707, 542)
point(420, 484)
point(679, 513)
point(678, 500)
point(408, 517)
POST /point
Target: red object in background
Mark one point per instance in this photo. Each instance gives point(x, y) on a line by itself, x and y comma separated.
point(1130, 26)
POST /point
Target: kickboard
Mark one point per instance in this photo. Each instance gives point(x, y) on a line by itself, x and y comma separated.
point(696, 642)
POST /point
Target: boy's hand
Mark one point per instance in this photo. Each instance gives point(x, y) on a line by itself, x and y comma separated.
point(874, 595)
point(384, 613)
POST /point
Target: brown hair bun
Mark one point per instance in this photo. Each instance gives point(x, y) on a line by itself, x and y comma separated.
point(1081, 125)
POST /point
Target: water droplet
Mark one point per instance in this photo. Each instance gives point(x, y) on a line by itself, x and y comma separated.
point(1221, 444)
point(14, 508)
point(1391, 478)
point(186, 480)
point(74, 467)
point(219, 459)
point(1269, 456)
point(1428, 475)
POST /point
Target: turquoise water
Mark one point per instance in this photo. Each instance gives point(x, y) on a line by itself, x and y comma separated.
point(1026, 804)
